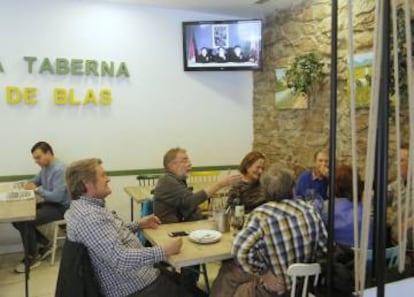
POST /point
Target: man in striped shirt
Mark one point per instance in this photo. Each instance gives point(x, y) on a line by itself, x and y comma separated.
point(276, 234)
point(122, 265)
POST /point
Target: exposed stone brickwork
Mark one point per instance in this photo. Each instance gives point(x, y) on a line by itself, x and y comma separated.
point(291, 136)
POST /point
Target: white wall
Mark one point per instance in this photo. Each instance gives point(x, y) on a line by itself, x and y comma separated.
point(158, 107)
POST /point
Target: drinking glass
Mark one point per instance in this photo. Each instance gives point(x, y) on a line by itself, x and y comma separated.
point(237, 223)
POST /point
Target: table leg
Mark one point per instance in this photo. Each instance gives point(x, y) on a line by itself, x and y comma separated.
point(192, 289)
point(132, 209)
point(26, 264)
point(182, 286)
point(204, 271)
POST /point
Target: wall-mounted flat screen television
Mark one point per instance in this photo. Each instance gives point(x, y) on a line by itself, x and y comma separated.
point(222, 45)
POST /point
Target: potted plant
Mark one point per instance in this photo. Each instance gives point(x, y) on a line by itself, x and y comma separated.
point(305, 74)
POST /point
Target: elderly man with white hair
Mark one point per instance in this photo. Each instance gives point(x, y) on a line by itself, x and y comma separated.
point(276, 234)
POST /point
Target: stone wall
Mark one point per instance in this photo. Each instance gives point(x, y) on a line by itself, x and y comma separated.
point(291, 136)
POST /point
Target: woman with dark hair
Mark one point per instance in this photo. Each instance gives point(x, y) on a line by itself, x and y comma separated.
point(344, 206)
point(248, 191)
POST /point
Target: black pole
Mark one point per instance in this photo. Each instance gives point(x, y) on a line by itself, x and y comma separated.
point(332, 147)
point(376, 188)
point(382, 165)
point(26, 260)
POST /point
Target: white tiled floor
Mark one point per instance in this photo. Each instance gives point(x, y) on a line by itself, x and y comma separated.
point(43, 278)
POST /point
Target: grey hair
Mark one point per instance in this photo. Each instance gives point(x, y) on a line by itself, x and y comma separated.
point(171, 155)
point(277, 183)
point(78, 173)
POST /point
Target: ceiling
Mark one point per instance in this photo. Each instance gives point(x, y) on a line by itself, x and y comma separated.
point(241, 8)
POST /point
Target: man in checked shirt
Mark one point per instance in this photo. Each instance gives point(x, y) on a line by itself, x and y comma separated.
point(122, 265)
point(276, 234)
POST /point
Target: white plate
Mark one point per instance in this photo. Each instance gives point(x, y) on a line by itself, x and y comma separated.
point(205, 236)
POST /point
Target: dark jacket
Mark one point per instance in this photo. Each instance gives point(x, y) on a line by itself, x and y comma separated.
point(76, 276)
point(250, 194)
point(175, 202)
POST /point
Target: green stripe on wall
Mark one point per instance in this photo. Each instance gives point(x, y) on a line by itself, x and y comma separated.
point(9, 178)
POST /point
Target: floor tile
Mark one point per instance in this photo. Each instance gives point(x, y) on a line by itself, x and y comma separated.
point(42, 281)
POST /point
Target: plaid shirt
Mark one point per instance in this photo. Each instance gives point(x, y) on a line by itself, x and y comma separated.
point(122, 265)
point(278, 234)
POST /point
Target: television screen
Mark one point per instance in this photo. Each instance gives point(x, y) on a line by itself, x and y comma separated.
point(222, 45)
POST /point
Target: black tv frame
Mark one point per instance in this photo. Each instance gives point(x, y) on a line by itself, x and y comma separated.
point(224, 66)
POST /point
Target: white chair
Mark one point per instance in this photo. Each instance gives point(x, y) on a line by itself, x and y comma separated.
point(391, 256)
point(56, 236)
point(303, 270)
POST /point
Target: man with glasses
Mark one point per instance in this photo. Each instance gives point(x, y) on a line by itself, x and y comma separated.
point(173, 200)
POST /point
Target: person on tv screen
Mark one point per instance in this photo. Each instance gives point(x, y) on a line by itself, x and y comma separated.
point(221, 55)
point(204, 56)
point(237, 55)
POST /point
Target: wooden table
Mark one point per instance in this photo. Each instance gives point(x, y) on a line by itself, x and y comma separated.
point(137, 194)
point(11, 186)
point(192, 253)
point(14, 211)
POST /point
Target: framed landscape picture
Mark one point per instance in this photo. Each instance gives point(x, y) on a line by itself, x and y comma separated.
point(285, 97)
point(363, 78)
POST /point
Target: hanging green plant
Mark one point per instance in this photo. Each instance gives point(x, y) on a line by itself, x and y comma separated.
point(305, 73)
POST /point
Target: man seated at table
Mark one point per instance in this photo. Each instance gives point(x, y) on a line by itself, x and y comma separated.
point(173, 200)
point(276, 234)
point(49, 184)
point(313, 183)
point(122, 265)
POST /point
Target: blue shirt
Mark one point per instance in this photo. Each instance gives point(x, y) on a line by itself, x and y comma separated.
point(51, 183)
point(122, 265)
point(306, 181)
point(344, 222)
